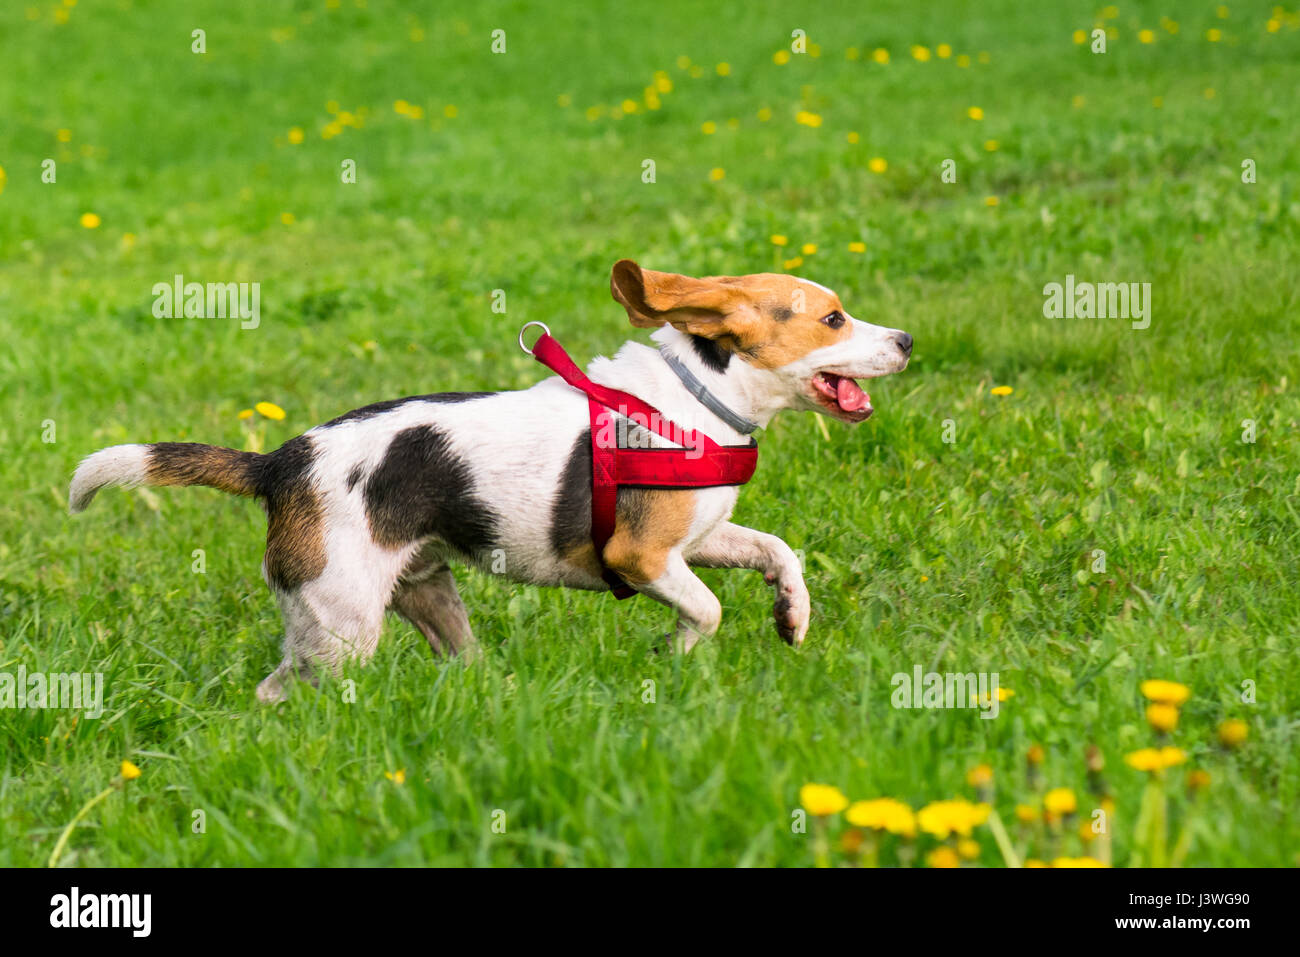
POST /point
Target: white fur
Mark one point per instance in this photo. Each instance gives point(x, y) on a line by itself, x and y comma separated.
point(118, 465)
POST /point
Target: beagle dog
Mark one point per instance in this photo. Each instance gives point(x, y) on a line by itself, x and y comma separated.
point(366, 512)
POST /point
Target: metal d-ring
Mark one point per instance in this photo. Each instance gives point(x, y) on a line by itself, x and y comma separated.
point(525, 329)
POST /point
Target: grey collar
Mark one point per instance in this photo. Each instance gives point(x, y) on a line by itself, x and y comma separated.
point(710, 401)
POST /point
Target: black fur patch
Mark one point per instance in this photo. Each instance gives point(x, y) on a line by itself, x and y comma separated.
point(423, 489)
point(571, 514)
point(712, 354)
point(354, 477)
point(378, 408)
point(782, 313)
point(287, 467)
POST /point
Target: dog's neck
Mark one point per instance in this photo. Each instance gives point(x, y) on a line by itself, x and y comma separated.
point(642, 371)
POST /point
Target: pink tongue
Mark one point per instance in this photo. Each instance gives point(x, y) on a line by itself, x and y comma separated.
point(850, 397)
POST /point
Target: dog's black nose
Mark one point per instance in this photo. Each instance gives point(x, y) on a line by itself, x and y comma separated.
point(904, 343)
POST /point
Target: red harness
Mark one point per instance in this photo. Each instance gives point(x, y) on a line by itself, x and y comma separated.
point(703, 464)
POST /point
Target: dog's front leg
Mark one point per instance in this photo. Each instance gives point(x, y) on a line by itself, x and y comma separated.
point(669, 580)
point(735, 546)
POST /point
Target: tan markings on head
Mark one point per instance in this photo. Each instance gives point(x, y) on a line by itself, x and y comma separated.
point(768, 318)
point(648, 525)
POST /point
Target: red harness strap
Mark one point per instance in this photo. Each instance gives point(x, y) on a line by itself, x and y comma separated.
point(703, 464)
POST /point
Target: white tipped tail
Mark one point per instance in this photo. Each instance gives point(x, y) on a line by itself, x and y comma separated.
point(117, 465)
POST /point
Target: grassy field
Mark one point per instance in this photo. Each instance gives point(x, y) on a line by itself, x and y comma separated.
point(958, 530)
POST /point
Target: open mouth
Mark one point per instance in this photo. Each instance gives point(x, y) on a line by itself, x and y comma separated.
point(842, 396)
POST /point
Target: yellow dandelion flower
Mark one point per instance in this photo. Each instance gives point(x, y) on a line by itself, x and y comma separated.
point(129, 771)
point(1035, 753)
point(1146, 36)
point(1221, 12)
point(630, 106)
point(781, 57)
point(1198, 780)
point(1080, 36)
point(991, 146)
point(794, 263)
point(991, 201)
point(64, 136)
point(984, 57)
point(779, 240)
point(942, 818)
point(708, 127)
point(1155, 759)
point(943, 857)
point(1077, 101)
point(1109, 12)
point(963, 60)
point(1060, 801)
point(90, 221)
point(3, 177)
point(808, 249)
point(1165, 692)
point(1162, 717)
point(450, 111)
point(245, 413)
point(1034, 862)
point(594, 112)
point(968, 849)
point(399, 106)
point(975, 113)
point(880, 55)
point(295, 135)
point(1273, 25)
point(852, 137)
point(128, 239)
point(717, 173)
point(822, 800)
point(1214, 34)
point(764, 115)
point(980, 776)
point(288, 219)
point(1078, 862)
point(1001, 390)
point(883, 814)
point(920, 54)
point(663, 82)
point(397, 777)
point(943, 51)
point(1233, 732)
point(808, 118)
point(1026, 814)
point(877, 164)
point(857, 247)
point(724, 69)
point(270, 410)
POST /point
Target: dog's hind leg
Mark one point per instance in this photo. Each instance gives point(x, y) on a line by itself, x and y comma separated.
point(432, 603)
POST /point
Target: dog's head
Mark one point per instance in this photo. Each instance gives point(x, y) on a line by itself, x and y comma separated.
point(794, 330)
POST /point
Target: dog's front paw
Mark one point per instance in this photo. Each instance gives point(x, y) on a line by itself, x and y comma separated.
point(791, 612)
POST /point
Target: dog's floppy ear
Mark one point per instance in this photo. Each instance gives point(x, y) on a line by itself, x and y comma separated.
point(701, 307)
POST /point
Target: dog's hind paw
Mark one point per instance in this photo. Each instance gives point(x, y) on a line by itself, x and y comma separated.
point(791, 612)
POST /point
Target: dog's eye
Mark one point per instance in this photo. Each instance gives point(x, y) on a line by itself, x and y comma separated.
point(834, 320)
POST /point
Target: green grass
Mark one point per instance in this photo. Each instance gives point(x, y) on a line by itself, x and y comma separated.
point(973, 555)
